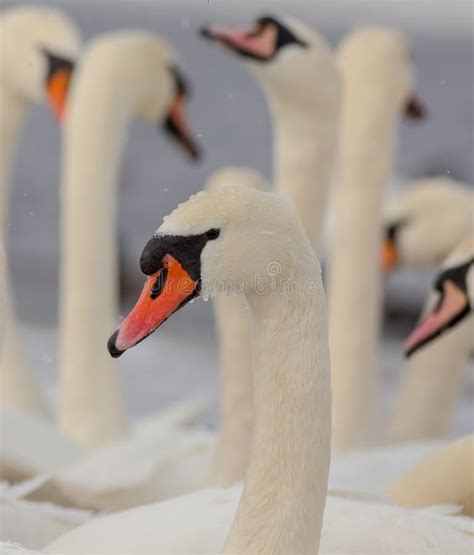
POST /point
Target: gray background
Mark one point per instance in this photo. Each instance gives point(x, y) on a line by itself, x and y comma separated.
point(229, 113)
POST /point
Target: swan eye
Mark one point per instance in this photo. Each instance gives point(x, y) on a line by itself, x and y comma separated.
point(213, 234)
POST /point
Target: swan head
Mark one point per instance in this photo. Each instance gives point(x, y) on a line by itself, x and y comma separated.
point(453, 298)
point(142, 73)
point(39, 46)
point(423, 224)
point(232, 240)
point(379, 59)
point(290, 59)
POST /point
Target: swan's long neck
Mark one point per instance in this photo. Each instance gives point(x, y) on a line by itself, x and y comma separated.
point(19, 389)
point(283, 500)
point(437, 370)
point(12, 116)
point(304, 154)
point(232, 451)
point(92, 408)
point(367, 142)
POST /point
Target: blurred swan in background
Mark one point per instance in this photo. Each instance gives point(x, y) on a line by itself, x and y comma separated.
point(425, 222)
point(39, 46)
point(95, 130)
point(437, 352)
point(378, 85)
point(297, 71)
point(122, 76)
point(291, 442)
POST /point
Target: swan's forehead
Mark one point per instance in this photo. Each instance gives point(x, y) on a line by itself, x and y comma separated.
point(229, 206)
point(201, 212)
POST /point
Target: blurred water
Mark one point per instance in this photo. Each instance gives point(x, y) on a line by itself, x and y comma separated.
point(229, 113)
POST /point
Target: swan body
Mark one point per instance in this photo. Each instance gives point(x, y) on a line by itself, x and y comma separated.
point(373, 470)
point(30, 524)
point(374, 99)
point(444, 477)
point(31, 446)
point(426, 221)
point(437, 352)
point(132, 472)
point(38, 47)
point(205, 517)
point(210, 237)
point(121, 76)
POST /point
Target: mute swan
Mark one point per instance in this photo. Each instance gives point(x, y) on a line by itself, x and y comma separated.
point(298, 74)
point(33, 524)
point(121, 76)
point(425, 222)
point(38, 47)
point(236, 237)
point(377, 77)
point(437, 351)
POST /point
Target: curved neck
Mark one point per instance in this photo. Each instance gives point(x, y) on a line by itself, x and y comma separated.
point(92, 407)
point(366, 152)
point(438, 371)
point(283, 500)
point(232, 452)
point(305, 139)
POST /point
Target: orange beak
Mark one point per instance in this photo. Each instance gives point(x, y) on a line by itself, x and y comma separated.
point(56, 90)
point(164, 292)
point(388, 255)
